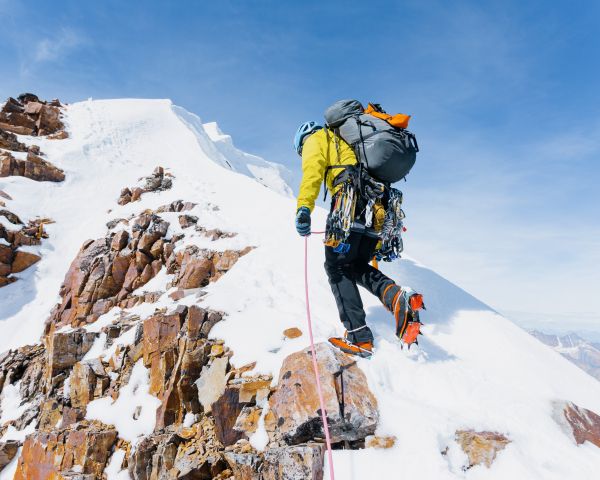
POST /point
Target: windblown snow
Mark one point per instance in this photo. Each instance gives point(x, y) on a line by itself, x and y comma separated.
point(473, 369)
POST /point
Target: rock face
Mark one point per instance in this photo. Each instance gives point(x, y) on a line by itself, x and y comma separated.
point(300, 462)
point(481, 447)
point(351, 407)
point(581, 424)
point(33, 167)
point(82, 449)
point(106, 271)
point(158, 181)
point(13, 260)
point(28, 115)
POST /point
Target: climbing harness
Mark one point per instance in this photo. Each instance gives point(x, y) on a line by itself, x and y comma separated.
point(393, 226)
point(315, 364)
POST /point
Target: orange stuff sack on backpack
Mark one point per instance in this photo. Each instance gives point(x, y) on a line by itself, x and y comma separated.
point(400, 120)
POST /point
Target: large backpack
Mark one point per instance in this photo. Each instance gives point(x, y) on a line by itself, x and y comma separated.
point(380, 141)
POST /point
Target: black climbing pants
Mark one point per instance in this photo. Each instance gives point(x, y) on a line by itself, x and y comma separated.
point(345, 272)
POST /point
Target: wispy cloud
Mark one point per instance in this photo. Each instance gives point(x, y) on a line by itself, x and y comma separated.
point(51, 49)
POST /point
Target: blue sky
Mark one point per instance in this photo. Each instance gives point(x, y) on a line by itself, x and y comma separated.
point(504, 96)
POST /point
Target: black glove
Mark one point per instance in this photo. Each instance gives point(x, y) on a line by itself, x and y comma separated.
point(303, 221)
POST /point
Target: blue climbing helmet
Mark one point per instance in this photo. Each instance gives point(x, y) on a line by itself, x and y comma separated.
point(303, 131)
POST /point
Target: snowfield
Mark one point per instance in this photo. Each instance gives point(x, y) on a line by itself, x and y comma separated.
point(473, 369)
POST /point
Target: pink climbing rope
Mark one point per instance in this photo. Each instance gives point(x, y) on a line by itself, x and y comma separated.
point(315, 365)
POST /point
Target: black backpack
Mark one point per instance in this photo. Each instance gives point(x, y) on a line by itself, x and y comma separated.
point(386, 149)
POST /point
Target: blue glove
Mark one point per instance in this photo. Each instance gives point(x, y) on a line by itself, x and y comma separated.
point(303, 221)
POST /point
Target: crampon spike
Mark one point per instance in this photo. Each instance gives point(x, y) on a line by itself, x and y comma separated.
point(410, 334)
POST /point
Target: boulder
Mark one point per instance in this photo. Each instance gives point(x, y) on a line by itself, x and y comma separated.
point(24, 260)
point(9, 141)
point(295, 410)
point(298, 462)
point(48, 120)
point(34, 167)
point(83, 448)
point(481, 447)
point(581, 424)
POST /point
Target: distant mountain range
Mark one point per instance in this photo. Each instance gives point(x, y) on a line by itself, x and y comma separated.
point(583, 353)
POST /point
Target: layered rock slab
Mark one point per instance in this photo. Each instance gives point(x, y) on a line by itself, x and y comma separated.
point(295, 410)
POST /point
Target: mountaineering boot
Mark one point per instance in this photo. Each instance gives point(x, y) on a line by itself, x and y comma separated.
point(405, 304)
point(406, 312)
point(360, 349)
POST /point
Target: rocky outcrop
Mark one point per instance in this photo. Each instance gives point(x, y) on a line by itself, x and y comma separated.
point(182, 453)
point(295, 410)
point(13, 260)
point(579, 423)
point(9, 141)
point(107, 271)
point(33, 167)
point(28, 115)
point(158, 181)
point(83, 448)
point(481, 448)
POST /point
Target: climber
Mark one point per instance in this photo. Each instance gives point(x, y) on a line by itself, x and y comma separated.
point(325, 156)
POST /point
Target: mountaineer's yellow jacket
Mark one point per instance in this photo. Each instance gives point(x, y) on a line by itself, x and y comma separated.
point(320, 151)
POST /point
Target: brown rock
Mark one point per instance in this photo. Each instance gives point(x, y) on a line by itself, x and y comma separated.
point(373, 441)
point(245, 466)
point(49, 120)
point(9, 141)
point(12, 105)
point(19, 130)
point(293, 332)
point(247, 420)
point(300, 462)
point(6, 255)
point(34, 167)
point(33, 108)
point(120, 240)
point(226, 411)
point(65, 349)
point(481, 447)
point(83, 385)
point(11, 217)
point(50, 415)
point(136, 194)
point(295, 404)
point(18, 119)
point(24, 260)
point(195, 271)
point(4, 281)
point(83, 448)
point(8, 450)
point(60, 135)
point(582, 424)
point(187, 221)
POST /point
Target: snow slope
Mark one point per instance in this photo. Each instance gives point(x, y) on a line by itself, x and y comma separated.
point(474, 369)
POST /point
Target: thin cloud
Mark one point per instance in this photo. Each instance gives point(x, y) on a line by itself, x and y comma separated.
point(53, 49)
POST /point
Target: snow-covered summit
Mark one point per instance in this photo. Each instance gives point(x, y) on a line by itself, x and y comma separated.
point(473, 370)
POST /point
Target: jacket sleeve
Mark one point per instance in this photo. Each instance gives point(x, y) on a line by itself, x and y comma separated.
point(313, 170)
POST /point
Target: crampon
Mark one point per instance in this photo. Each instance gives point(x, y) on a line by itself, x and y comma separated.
point(406, 312)
point(361, 349)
